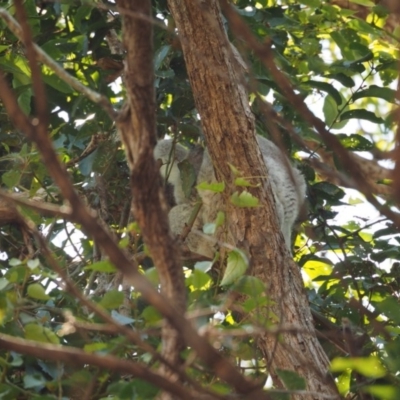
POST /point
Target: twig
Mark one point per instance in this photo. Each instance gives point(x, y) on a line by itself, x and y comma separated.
point(72, 355)
point(44, 208)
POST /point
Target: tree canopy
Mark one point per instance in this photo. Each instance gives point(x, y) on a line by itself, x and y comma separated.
point(96, 299)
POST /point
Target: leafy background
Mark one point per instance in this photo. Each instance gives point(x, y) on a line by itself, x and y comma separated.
point(344, 67)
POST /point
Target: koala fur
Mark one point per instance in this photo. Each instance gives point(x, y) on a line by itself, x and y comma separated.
point(287, 184)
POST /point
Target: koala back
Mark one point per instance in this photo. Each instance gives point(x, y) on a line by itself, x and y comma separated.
point(287, 184)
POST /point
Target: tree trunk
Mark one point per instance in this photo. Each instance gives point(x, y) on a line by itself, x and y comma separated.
point(228, 125)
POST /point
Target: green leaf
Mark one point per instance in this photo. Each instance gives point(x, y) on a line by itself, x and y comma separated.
point(384, 392)
point(152, 275)
point(244, 199)
point(160, 55)
point(311, 3)
point(389, 307)
point(326, 87)
point(376, 91)
point(17, 274)
point(33, 264)
point(209, 228)
point(24, 101)
point(237, 265)
point(331, 113)
point(217, 187)
point(355, 142)
point(11, 178)
point(242, 182)
point(343, 382)
point(251, 286)
point(95, 347)
point(345, 80)
point(86, 165)
point(220, 219)
point(343, 43)
point(39, 333)
point(292, 380)
point(102, 266)
point(112, 299)
point(151, 315)
point(370, 367)
point(57, 83)
point(182, 106)
point(34, 381)
point(37, 291)
point(364, 3)
point(235, 170)
point(14, 262)
point(9, 392)
point(121, 319)
point(3, 284)
point(361, 114)
point(199, 280)
point(329, 191)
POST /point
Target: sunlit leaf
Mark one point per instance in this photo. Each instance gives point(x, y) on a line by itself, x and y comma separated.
point(199, 280)
point(355, 142)
point(37, 291)
point(40, 333)
point(102, 266)
point(112, 299)
point(217, 187)
point(244, 199)
point(237, 265)
point(368, 366)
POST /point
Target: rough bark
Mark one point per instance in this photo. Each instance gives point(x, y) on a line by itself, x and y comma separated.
point(228, 126)
point(138, 132)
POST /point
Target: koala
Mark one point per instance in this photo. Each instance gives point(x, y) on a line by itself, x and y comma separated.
point(171, 154)
point(287, 184)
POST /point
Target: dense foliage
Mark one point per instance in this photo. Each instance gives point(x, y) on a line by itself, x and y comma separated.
point(346, 69)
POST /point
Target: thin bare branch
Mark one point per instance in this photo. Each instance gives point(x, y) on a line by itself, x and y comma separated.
point(138, 133)
point(42, 207)
point(75, 356)
point(37, 82)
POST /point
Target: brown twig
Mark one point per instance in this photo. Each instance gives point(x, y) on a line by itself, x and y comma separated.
point(44, 208)
point(75, 356)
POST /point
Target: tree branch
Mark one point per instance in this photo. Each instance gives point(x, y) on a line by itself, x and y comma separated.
point(75, 356)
